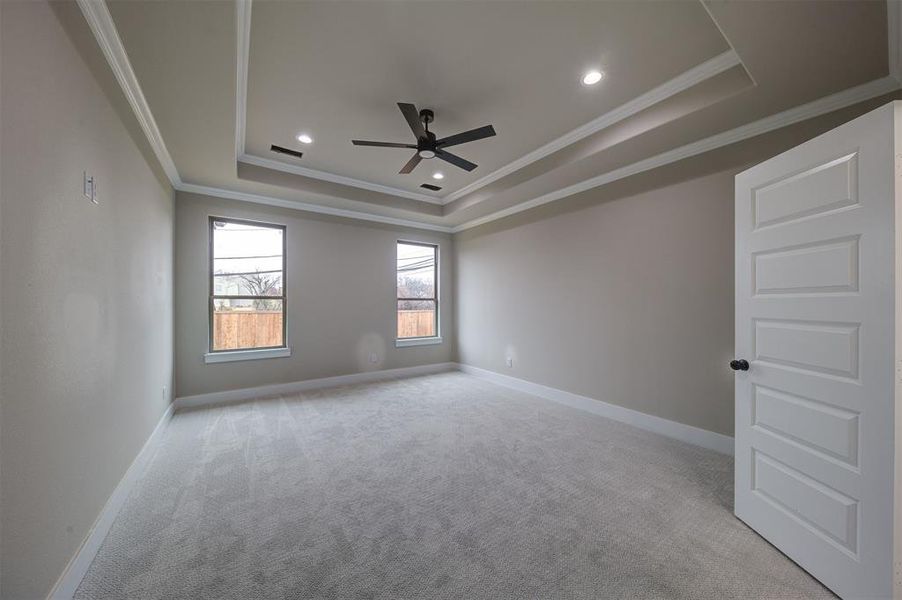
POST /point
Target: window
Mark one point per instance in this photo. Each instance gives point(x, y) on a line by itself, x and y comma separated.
point(247, 277)
point(417, 290)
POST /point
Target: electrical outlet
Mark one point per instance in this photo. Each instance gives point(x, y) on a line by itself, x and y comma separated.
point(374, 358)
point(510, 362)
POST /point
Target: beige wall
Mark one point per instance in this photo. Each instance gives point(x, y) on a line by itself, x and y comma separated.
point(87, 291)
point(628, 301)
point(340, 297)
point(624, 293)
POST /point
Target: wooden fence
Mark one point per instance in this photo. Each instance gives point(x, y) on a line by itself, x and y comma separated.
point(247, 329)
point(260, 329)
point(416, 323)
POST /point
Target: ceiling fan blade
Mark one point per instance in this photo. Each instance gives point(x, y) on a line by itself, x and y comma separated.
point(413, 119)
point(466, 136)
point(382, 144)
point(455, 160)
point(411, 164)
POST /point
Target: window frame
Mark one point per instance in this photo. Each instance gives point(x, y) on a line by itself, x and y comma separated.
point(427, 339)
point(212, 296)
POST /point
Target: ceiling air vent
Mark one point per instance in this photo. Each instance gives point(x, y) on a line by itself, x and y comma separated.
point(431, 187)
point(287, 151)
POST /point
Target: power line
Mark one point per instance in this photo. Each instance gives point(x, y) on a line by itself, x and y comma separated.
point(245, 273)
point(243, 257)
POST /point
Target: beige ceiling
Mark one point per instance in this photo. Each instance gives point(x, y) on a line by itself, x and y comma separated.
point(337, 69)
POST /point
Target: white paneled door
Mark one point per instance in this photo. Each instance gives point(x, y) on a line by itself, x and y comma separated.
point(817, 268)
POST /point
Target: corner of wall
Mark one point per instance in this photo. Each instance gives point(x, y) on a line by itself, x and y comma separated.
point(83, 368)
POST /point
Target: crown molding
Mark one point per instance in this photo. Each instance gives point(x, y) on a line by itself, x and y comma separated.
point(684, 81)
point(848, 97)
point(243, 26)
point(723, 34)
point(268, 163)
point(101, 22)
point(308, 207)
point(827, 104)
point(680, 83)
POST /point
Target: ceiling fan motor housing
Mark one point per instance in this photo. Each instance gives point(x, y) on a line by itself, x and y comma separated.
point(426, 145)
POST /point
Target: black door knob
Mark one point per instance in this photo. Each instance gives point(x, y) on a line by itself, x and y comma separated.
point(739, 365)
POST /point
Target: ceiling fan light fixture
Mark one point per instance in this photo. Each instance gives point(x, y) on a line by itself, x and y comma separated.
point(593, 77)
point(427, 145)
point(438, 175)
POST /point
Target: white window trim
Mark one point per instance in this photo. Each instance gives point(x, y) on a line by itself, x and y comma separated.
point(253, 354)
point(429, 341)
point(221, 356)
point(436, 339)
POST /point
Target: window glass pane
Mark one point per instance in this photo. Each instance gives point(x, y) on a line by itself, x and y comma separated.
point(247, 284)
point(247, 259)
point(416, 318)
point(416, 271)
point(242, 324)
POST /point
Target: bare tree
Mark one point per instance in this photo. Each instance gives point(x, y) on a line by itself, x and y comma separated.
point(262, 284)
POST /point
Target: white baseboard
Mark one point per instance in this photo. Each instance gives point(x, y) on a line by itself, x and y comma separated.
point(685, 433)
point(309, 384)
point(68, 582)
point(680, 431)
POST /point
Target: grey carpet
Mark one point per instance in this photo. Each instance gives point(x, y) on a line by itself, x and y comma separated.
point(443, 486)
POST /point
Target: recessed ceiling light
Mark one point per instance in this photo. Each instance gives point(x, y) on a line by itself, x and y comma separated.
point(304, 138)
point(438, 176)
point(592, 77)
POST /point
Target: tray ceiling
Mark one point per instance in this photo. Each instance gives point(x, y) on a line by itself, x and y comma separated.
point(679, 77)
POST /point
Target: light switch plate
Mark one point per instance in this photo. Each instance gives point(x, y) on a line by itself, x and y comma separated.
point(89, 187)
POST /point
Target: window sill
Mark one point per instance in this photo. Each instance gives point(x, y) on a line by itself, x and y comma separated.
point(403, 343)
point(235, 355)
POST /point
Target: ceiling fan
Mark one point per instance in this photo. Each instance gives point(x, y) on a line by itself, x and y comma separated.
point(427, 145)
